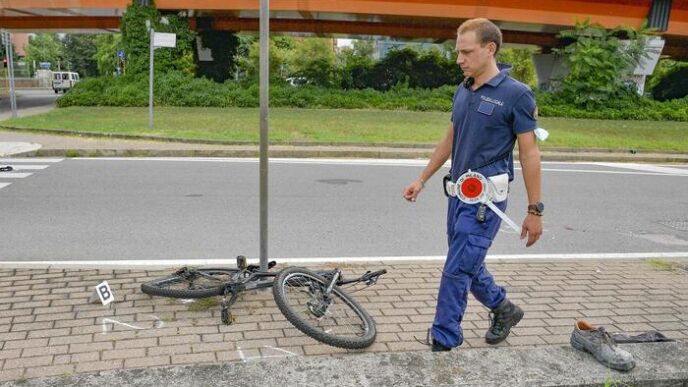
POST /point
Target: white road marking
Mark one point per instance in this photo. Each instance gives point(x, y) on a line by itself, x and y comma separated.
point(659, 171)
point(385, 162)
point(318, 260)
point(29, 160)
point(647, 168)
point(26, 167)
point(606, 172)
point(3, 185)
point(14, 175)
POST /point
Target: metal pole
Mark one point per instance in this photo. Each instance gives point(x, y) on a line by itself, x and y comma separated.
point(150, 80)
point(264, 108)
point(10, 65)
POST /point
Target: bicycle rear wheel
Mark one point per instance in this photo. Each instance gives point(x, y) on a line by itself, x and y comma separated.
point(190, 283)
point(335, 320)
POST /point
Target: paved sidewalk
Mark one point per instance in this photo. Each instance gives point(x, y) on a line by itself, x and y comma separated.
point(48, 328)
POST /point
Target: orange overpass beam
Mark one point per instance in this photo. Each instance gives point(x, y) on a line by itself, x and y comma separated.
point(609, 13)
point(421, 28)
point(435, 31)
point(59, 22)
point(553, 12)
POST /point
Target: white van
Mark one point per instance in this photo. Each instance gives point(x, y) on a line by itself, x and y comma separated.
point(64, 80)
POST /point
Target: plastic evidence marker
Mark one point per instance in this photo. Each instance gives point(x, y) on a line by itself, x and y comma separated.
point(104, 293)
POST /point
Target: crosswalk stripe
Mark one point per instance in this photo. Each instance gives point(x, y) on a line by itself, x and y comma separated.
point(14, 175)
point(28, 160)
point(3, 185)
point(24, 167)
point(647, 168)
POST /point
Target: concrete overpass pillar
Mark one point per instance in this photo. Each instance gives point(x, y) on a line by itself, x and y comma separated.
point(551, 69)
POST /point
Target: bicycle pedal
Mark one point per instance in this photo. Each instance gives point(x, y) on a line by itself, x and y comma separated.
point(241, 262)
point(227, 317)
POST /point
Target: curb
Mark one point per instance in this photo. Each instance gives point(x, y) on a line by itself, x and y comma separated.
point(300, 149)
point(339, 152)
point(117, 136)
point(658, 364)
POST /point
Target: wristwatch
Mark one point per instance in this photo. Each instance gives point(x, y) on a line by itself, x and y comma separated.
point(536, 209)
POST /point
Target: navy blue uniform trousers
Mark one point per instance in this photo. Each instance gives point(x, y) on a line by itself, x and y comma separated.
point(464, 270)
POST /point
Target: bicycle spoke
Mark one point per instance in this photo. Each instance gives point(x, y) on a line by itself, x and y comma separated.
point(334, 316)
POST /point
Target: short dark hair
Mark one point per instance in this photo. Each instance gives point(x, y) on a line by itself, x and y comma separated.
point(485, 31)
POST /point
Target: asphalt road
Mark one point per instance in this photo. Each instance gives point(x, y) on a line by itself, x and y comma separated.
point(29, 101)
point(152, 209)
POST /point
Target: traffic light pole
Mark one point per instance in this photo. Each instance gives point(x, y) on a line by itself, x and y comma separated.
point(7, 40)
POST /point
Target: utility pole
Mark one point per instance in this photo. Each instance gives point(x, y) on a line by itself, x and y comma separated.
point(264, 105)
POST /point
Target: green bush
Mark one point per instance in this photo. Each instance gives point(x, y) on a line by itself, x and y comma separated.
point(178, 89)
point(630, 108)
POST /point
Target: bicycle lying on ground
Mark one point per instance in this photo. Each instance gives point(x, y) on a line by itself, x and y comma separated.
point(313, 302)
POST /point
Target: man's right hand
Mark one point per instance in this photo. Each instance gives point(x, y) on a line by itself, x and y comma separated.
point(413, 190)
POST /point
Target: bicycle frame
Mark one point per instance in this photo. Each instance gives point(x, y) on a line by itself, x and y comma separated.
point(252, 278)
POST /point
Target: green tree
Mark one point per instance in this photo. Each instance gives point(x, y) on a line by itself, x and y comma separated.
point(396, 67)
point(279, 53)
point(314, 59)
point(106, 53)
point(521, 60)
point(598, 63)
point(354, 64)
point(363, 48)
point(430, 70)
point(136, 40)
point(45, 47)
point(79, 53)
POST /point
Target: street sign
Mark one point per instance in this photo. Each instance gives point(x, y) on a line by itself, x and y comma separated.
point(120, 54)
point(163, 39)
point(157, 40)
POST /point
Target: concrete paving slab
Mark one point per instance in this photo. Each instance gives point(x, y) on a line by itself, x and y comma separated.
point(14, 148)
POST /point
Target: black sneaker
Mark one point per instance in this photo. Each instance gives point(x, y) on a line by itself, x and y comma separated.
point(502, 319)
point(437, 347)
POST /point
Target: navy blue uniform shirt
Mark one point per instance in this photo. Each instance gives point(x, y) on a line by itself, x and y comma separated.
point(486, 122)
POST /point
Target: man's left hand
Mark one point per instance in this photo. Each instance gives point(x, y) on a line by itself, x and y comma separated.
point(532, 228)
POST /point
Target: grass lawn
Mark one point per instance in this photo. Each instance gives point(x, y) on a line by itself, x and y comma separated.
point(335, 125)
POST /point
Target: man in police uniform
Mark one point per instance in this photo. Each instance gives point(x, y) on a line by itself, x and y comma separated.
point(491, 111)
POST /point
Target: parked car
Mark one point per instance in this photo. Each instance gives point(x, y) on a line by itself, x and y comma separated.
point(64, 80)
point(297, 81)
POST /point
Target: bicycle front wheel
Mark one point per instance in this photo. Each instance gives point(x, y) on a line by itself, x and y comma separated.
point(334, 319)
point(190, 283)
